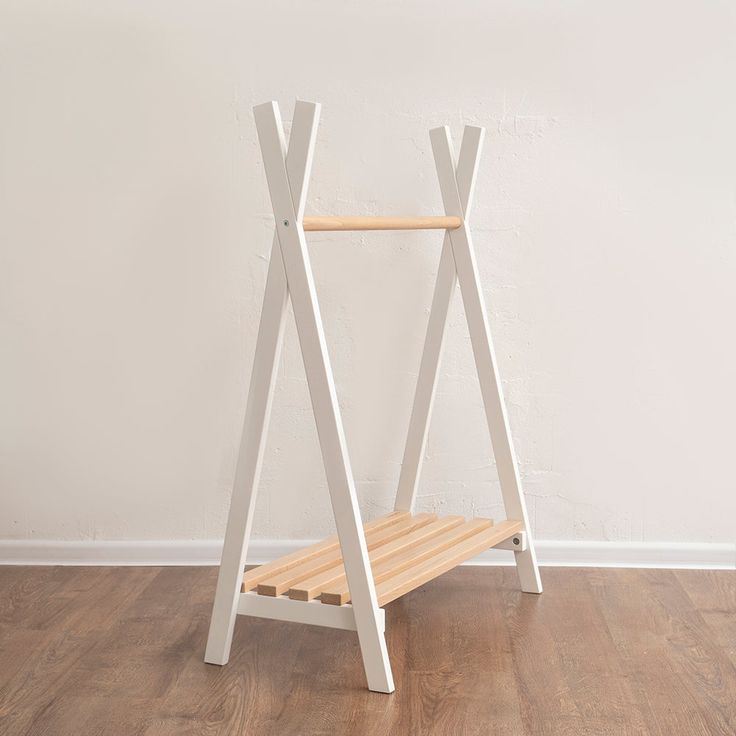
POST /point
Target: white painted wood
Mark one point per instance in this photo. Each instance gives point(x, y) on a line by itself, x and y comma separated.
point(517, 543)
point(258, 408)
point(416, 437)
point(324, 400)
point(301, 612)
point(485, 359)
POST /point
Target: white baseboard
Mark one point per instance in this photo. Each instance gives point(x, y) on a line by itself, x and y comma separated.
point(696, 555)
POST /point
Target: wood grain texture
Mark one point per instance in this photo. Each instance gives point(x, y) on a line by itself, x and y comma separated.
point(422, 572)
point(374, 537)
point(312, 587)
point(338, 593)
point(252, 577)
point(118, 651)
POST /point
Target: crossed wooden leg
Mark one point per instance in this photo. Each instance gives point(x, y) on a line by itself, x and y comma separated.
point(290, 274)
point(457, 263)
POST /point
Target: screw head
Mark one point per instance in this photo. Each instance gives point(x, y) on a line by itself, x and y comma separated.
point(286, 223)
point(516, 541)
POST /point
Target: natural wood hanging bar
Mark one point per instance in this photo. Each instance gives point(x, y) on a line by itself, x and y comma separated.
point(344, 581)
point(316, 222)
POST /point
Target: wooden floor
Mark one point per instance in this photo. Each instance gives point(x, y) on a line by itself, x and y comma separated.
point(118, 651)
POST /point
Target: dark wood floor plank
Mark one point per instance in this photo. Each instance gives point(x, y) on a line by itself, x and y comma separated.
point(548, 705)
point(709, 671)
point(118, 652)
point(33, 595)
point(16, 647)
point(713, 594)
point(462, 676)
point(657, 644)
point(36, 689)
point(594, 671)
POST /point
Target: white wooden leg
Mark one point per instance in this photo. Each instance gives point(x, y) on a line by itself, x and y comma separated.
point(485, 359)
point(258, 409)
point(250, 458)
point(416, 438)
point(288, 210)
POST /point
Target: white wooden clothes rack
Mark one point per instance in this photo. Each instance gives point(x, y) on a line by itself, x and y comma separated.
point(345, 581)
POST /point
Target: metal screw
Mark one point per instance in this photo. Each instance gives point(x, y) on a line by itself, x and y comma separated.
point(516, 540)
point(286, 223)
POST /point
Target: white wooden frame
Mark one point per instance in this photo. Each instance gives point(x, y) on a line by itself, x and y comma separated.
point(290, 275)
point(302, 612)
point(457, 263)
point(287, 176)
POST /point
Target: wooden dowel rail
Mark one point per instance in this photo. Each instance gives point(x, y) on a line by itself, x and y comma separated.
point(323, 223)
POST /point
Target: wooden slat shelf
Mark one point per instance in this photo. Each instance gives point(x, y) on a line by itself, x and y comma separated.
point(405, 552)
point(253, 577)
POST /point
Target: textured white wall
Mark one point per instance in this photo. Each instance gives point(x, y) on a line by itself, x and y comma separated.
point(135, 228)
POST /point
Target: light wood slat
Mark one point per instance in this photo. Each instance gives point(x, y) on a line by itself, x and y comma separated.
point(339, 593)
point(438, 564)
point(278, 584)
point(324, 223)
point(255, 576)
point(311, 587)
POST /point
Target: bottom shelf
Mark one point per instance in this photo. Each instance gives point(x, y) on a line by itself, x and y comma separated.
point(405, 552)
